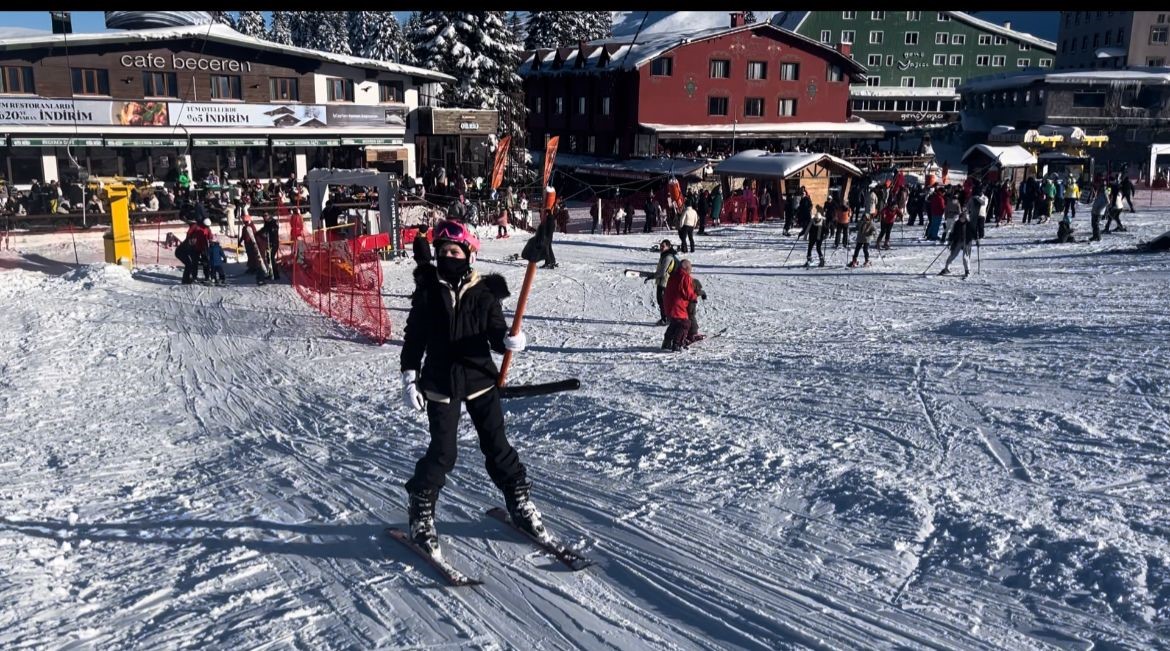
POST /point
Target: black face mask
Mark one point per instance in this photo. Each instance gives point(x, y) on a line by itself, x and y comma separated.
point(453, 270)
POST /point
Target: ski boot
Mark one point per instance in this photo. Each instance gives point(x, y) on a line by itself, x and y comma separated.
point(945, 272)
point(822, 263)
point(808, 263)
point(523, 512)
point(867, 263)
point(422, 522)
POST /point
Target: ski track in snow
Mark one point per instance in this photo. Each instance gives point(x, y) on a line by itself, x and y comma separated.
point(866, 459)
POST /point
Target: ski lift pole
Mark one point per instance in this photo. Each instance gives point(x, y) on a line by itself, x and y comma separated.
point(521, 303)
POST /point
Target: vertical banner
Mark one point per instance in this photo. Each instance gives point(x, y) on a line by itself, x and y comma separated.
point(550, 153)
point(501, 161)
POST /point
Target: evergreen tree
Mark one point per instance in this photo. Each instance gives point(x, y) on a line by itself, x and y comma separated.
point(375, 35)
point(251, 23)
point(324, 31)
point(223, 18)
point(479, 50)
point(517, 28)
point(281, 30)
point(749, 17)
point(406, 47)
point(550, 29)
point(599, 24)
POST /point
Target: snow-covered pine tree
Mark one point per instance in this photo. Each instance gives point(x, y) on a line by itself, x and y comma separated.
point(516, 26)
point(566, 28)
point(543, 30)
point(479, 50)
point(749, 17)
point(406, 47)
point(223, 18)
point(282, 26)
point(374, 35)
point(325, 31)
point(251, 23)
point(600, 25)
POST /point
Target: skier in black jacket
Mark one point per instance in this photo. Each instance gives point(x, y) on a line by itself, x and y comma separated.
point(456, 320)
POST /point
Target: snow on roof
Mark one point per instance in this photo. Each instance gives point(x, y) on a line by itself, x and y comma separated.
point(627, 23)
point(757, 162)
point(856, 126)
point(655, 42)
point(1090, 77)
point(213, 32)
point(20, 32)
point(792, 20)
point(1013, 156)
point(652, 166)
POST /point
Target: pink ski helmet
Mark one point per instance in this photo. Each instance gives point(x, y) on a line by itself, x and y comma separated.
point(452, 231)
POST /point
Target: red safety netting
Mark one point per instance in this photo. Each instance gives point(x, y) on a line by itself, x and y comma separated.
point(342, 278)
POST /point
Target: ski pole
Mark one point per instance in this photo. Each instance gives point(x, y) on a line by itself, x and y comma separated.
point(978, 259)
point(529, 275)
point(793, 248)
point(940, 253)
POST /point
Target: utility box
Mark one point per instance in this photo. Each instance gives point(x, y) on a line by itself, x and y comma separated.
point(119, 244)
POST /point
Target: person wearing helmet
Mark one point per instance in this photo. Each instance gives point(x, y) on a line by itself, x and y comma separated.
point(456, 321)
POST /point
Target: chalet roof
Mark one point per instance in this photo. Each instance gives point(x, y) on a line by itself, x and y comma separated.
point(1125, 77)
point(213, 32)
point(1013, 156)
point(757, 162)
point(792, 20)
point(628, 54)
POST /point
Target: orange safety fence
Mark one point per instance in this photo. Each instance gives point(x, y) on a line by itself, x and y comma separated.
point(342, 278)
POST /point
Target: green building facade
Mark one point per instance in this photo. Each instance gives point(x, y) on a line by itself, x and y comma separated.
point(939, 49)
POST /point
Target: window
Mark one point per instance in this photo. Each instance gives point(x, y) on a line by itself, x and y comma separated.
point(662, 67)
point(1023, 63)
point(911, 38)
point(848, 15)
point(937, 82)
point(17, 79)
point(877, 15)
point(875, 59)
point(757, 70)
point(873, 81)
point(998, 60)
point(1161, 18)
point(1024, 47)
point(999, 40)
point(390, 91)
point(592, 144)
point(957, 59)
point(753, 107)
point(941, 38)
point(1072, 45)
point(953, 82)
point(983, 60)
point(789, 71)
point(338, 90)
point(1120, 34)
point(580, 106)
point(958, 39)
point(159, 84)
point(848, 36)
point(1045, 63)
point(985, 39)
point(605, 106)
point(876, 38)
point(913, 15)
point(940, 60)
point(720, 68)
point(834, 73)
point(889, 59)
point(91, 81)
point(943, 17)
point(1158, 34)
point(538, 106)
point(787, 108)
point(716, 106)
point(1089, 100)
point(907, 82)
point(826, 36)
point(559, 105)
point(284, 89)
point(1096, 40)
point(1156, 62)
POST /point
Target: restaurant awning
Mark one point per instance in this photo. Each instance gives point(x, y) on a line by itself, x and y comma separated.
point(56, 142)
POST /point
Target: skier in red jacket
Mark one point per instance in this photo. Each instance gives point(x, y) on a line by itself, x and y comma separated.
point(680, 291)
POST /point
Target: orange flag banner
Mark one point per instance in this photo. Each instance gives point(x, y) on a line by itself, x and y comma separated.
point(550, 153)
point(501, 161)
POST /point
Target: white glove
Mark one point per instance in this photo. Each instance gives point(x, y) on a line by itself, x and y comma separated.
point(517, 343)
point(410, 394)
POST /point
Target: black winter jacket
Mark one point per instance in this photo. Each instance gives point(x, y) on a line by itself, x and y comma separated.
point(457, 335)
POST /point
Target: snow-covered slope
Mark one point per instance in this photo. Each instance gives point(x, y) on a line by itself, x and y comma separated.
point(867, 459)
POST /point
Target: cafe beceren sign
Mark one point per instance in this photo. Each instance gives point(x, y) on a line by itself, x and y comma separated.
point(151, 61)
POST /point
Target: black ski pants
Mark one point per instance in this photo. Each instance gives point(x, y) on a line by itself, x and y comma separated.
point(660, 293)
point(500, 458)
point(676, 334)
point(884, 234)
point(687, 234)
point(815, 243)
point(842, 236)
point(860, 248)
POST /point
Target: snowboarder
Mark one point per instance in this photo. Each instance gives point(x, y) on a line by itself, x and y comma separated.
point(817, 230)
point(667, 263)
point(963, 235)
point(864, 231)
point(456, 321)
point(680, 292)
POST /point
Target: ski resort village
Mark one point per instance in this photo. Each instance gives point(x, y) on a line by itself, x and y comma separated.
point(599, 330)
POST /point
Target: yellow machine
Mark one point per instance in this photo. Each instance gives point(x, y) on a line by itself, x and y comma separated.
point(119, 243)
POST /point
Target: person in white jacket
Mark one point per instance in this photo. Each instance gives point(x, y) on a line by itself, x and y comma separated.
point(686, 228)
point(977, 208)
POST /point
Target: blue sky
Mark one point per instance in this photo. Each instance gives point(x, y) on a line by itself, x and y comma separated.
point(1041, 23)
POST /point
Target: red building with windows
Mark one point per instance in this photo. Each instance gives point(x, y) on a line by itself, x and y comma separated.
point(714, 90)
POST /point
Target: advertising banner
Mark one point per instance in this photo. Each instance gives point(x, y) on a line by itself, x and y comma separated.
point(194, 114)
point(55, 111)
point(355, 115)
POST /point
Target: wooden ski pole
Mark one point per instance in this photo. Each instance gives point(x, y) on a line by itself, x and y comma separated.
point(529, 275)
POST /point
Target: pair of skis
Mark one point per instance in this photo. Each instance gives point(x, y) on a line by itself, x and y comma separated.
point(573, 559)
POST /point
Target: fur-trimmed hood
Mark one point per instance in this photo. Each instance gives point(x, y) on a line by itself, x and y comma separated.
point(497, 285)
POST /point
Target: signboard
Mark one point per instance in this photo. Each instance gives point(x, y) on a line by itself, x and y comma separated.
point(146, 142)
point(247, 115)
point(305, 142)
point(356, 115)
point(55, 111)
point(230, 142)
point(464, 121)
point(369, 140)
point(910, 117)
point(57, 142)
